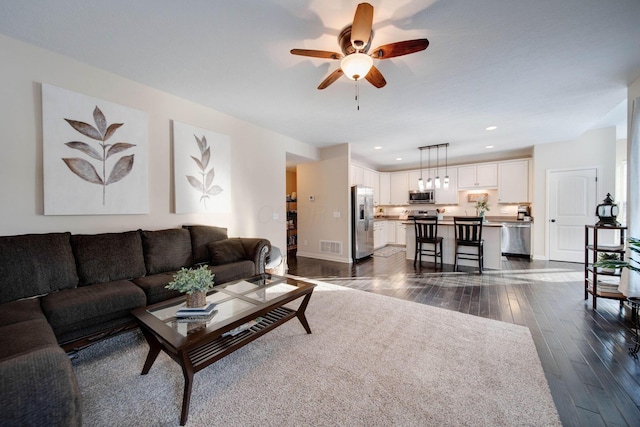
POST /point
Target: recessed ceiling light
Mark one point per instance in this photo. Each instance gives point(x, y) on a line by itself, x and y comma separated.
point(377, 148)
point(489, 146)
point(492, 128)
point(398, 158)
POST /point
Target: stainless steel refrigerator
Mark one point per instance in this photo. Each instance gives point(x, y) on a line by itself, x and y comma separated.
point(361, 222)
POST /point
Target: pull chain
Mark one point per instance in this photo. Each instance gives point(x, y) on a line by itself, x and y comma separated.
point(358, 94)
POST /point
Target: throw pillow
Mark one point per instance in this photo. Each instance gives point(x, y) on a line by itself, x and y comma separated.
point(226, 251)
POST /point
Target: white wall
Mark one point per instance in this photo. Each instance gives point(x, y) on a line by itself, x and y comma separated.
point(257, 155)
point(328, 182)
point(596, 148)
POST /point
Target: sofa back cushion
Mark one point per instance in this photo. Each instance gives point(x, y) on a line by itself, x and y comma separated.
point(35, 264)
point(201, 236)
point(108, 257)
point(226, 251)
point(166, 250)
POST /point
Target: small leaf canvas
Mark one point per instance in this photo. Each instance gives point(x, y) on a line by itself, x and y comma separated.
point(94, 155)
point(202, 173)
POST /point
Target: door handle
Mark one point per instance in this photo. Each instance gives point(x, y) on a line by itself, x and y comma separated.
point(553, 220)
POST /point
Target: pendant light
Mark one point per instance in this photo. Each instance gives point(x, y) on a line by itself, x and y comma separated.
point(420, 181)
point(429, 181)
point(445, 183)
point(437, 183)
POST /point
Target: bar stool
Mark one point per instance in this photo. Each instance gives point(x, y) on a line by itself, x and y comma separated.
point(469, 234)
point(426, 228)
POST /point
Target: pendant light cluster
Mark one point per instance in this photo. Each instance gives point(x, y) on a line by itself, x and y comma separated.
point(437, 182)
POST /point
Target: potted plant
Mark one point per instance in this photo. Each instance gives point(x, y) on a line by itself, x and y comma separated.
point(605, 257)
point(632, 264)
point(193, 282)
point(481, 207)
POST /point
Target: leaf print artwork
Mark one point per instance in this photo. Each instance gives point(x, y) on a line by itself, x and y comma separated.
point(204, 184)
point(101, 133)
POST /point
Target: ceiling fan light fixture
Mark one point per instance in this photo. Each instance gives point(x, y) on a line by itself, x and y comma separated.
point(356, 66)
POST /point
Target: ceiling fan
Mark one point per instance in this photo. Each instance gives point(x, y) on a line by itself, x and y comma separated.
point(355, 41)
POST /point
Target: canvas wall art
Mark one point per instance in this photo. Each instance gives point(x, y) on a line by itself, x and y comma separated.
point(202, 171)
point(94, 155)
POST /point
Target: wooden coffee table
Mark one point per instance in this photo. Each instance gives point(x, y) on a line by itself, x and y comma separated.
point(195, 343)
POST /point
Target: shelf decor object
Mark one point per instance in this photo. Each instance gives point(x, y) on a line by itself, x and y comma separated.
point(607, 211)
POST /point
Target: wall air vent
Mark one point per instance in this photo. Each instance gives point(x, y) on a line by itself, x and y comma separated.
point(329, 247)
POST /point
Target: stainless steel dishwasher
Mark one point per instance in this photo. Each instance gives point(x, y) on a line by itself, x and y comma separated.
point(516, 239)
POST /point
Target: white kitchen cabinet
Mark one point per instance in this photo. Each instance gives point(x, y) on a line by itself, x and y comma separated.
point(401, 233)
point(413, 179)
point(368, 177)
point(513, 181)
point(356, 176)
point(483, 175)
point(399, 188)
point(448, 196)
point(385, 188)
point(379, 234)
point(376, 188)
point(390, 227)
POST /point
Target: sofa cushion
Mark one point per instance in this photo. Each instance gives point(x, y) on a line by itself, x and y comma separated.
point(39, 388)
point(75, 309)
point(153, 286)
point(23, 337)
point(20, 311)
point(232, 271)
point(226, 251)
point(35, 264)
point(166, 250)
point(109, 256)
point(201, 235)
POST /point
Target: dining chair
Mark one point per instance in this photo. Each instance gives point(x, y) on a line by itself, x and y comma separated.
point(427, 240)
point(469, 235)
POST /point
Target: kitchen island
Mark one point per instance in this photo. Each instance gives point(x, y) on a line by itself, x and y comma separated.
point(491, 234)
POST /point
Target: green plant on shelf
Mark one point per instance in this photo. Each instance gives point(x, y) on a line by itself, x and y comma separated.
point(633, 264)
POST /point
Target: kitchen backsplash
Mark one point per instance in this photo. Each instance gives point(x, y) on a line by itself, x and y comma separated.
point(464, 208)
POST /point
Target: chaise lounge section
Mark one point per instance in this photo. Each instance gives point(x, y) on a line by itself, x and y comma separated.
point(61, 292)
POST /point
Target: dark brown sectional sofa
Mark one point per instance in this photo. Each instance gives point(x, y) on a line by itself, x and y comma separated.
point(60, 292)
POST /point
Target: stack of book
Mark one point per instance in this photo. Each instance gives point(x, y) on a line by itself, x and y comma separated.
point(186, 314)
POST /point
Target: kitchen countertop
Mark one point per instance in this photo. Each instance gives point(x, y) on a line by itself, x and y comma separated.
point(448, 220)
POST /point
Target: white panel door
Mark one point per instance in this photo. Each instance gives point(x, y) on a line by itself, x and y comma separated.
point(572, 205)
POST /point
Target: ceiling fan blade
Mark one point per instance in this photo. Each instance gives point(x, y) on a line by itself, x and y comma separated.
point(374, 76)
point(332, 78)
point(361, 28)
point(317, 53)
point(399, 48)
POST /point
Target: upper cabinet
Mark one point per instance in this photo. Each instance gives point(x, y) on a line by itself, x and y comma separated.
point(513, 185)
point(385, 189)
point(399, 188)
point(483, 175)
point(448, 196)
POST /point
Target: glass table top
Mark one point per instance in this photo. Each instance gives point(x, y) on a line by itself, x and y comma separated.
point(231, 299)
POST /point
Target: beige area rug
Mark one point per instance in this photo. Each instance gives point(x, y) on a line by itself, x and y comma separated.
point(370, 361)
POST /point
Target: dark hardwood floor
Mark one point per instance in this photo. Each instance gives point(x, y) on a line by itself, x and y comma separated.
point(584, 353)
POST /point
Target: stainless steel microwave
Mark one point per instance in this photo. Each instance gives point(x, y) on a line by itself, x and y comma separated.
point(426, 196)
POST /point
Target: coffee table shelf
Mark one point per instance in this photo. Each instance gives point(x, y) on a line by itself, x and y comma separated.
point(207, 354)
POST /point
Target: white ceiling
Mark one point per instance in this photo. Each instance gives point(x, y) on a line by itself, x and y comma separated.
point(542, 71)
